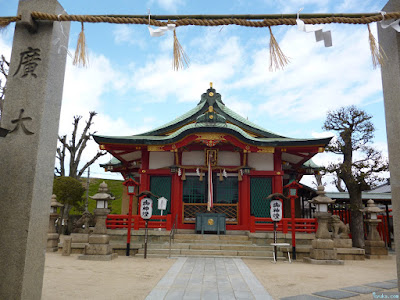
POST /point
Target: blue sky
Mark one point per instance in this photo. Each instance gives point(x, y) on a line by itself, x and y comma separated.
point(131, 84)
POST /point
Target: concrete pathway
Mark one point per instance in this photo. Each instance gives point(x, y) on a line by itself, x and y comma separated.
point(209, 278)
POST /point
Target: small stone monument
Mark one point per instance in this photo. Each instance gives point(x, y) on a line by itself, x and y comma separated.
point(323, 251)
point(99, 247)
point(52, 234)
point(374, 246)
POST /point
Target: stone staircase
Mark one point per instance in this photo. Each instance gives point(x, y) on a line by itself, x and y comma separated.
point(209, 245)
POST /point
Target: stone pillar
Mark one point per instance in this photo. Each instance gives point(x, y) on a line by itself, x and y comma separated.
point(31, 113)
point(389, 39)
point(67, 246)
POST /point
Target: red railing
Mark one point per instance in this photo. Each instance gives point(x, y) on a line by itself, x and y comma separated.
point(285, 225)
point(121, 221)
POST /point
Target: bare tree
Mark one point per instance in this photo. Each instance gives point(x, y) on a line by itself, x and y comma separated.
point(75, 148)
point(361, 172)
point(72, 150)
point(4, 67)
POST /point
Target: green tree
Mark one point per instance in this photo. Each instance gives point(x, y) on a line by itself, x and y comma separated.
point(362, 165)
point(69, 191)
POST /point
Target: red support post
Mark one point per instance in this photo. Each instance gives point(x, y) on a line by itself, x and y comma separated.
point(244, 202)
point(136, 222)
point(252, 224)
point(168, 224)
point(278, 178)
point(128, 237)
point(293, 212)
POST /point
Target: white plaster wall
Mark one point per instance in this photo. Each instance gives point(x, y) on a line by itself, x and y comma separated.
point(227, 158)
point(132, 155)
point(261, 161)
point(161, 160)
point(193, 158)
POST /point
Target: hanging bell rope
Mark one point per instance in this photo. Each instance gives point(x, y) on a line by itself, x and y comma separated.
point(81, 58)
point(377, 53)
point(278, 60)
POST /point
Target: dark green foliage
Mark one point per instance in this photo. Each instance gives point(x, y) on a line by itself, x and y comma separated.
point(68, 191)
point(115, 187)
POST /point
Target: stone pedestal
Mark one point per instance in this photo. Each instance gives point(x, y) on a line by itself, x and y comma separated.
point(52, 242)
point(66, 251)
point(345, 250)
point(52, 235)
point(374, 246)
point(375, 249)
point(99, 247)
point(342, 243)
point(80, 237)
point(323, 251)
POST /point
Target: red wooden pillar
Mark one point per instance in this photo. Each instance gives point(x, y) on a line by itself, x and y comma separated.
point(176, 199)
point(168, 222)
point(144, 177)
point(278, 178)
point(252, 224)
point(245, 202)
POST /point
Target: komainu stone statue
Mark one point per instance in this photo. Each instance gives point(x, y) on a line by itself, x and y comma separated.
point(339, 229)
point(82, 224)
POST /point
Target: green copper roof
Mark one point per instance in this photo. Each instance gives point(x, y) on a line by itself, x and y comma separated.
point(220, 108)
point(208, 127)
point(310, 164)
point(210, 115)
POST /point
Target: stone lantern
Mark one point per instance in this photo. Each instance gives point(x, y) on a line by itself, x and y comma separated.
point(99, 247)
point(321, 202)
point(323, 250)
point(52, 235)
point(374, 246)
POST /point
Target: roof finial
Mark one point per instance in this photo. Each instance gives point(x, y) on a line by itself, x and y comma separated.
point(210, 85)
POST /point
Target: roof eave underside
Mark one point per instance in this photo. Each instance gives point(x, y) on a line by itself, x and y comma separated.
point(201, 128)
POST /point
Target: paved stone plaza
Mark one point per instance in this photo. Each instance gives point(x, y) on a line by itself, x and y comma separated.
point(230, 278)
point(209, 278)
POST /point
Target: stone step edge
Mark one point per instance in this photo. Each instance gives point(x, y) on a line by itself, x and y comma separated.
point(214, 256)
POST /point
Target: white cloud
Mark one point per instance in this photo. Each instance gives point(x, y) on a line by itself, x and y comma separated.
point(159, 80)
point(317, 78)
point(126, 34)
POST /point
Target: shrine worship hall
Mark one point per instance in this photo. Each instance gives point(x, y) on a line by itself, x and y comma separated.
point(211, 159)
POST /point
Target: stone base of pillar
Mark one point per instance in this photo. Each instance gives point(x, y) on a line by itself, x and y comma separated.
point(52, 242)
point(98, 248)
point(376, 250)
point(98, 257)
point(323, 253)
point(342, 243)
point(80, 237)
point(323, 261)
